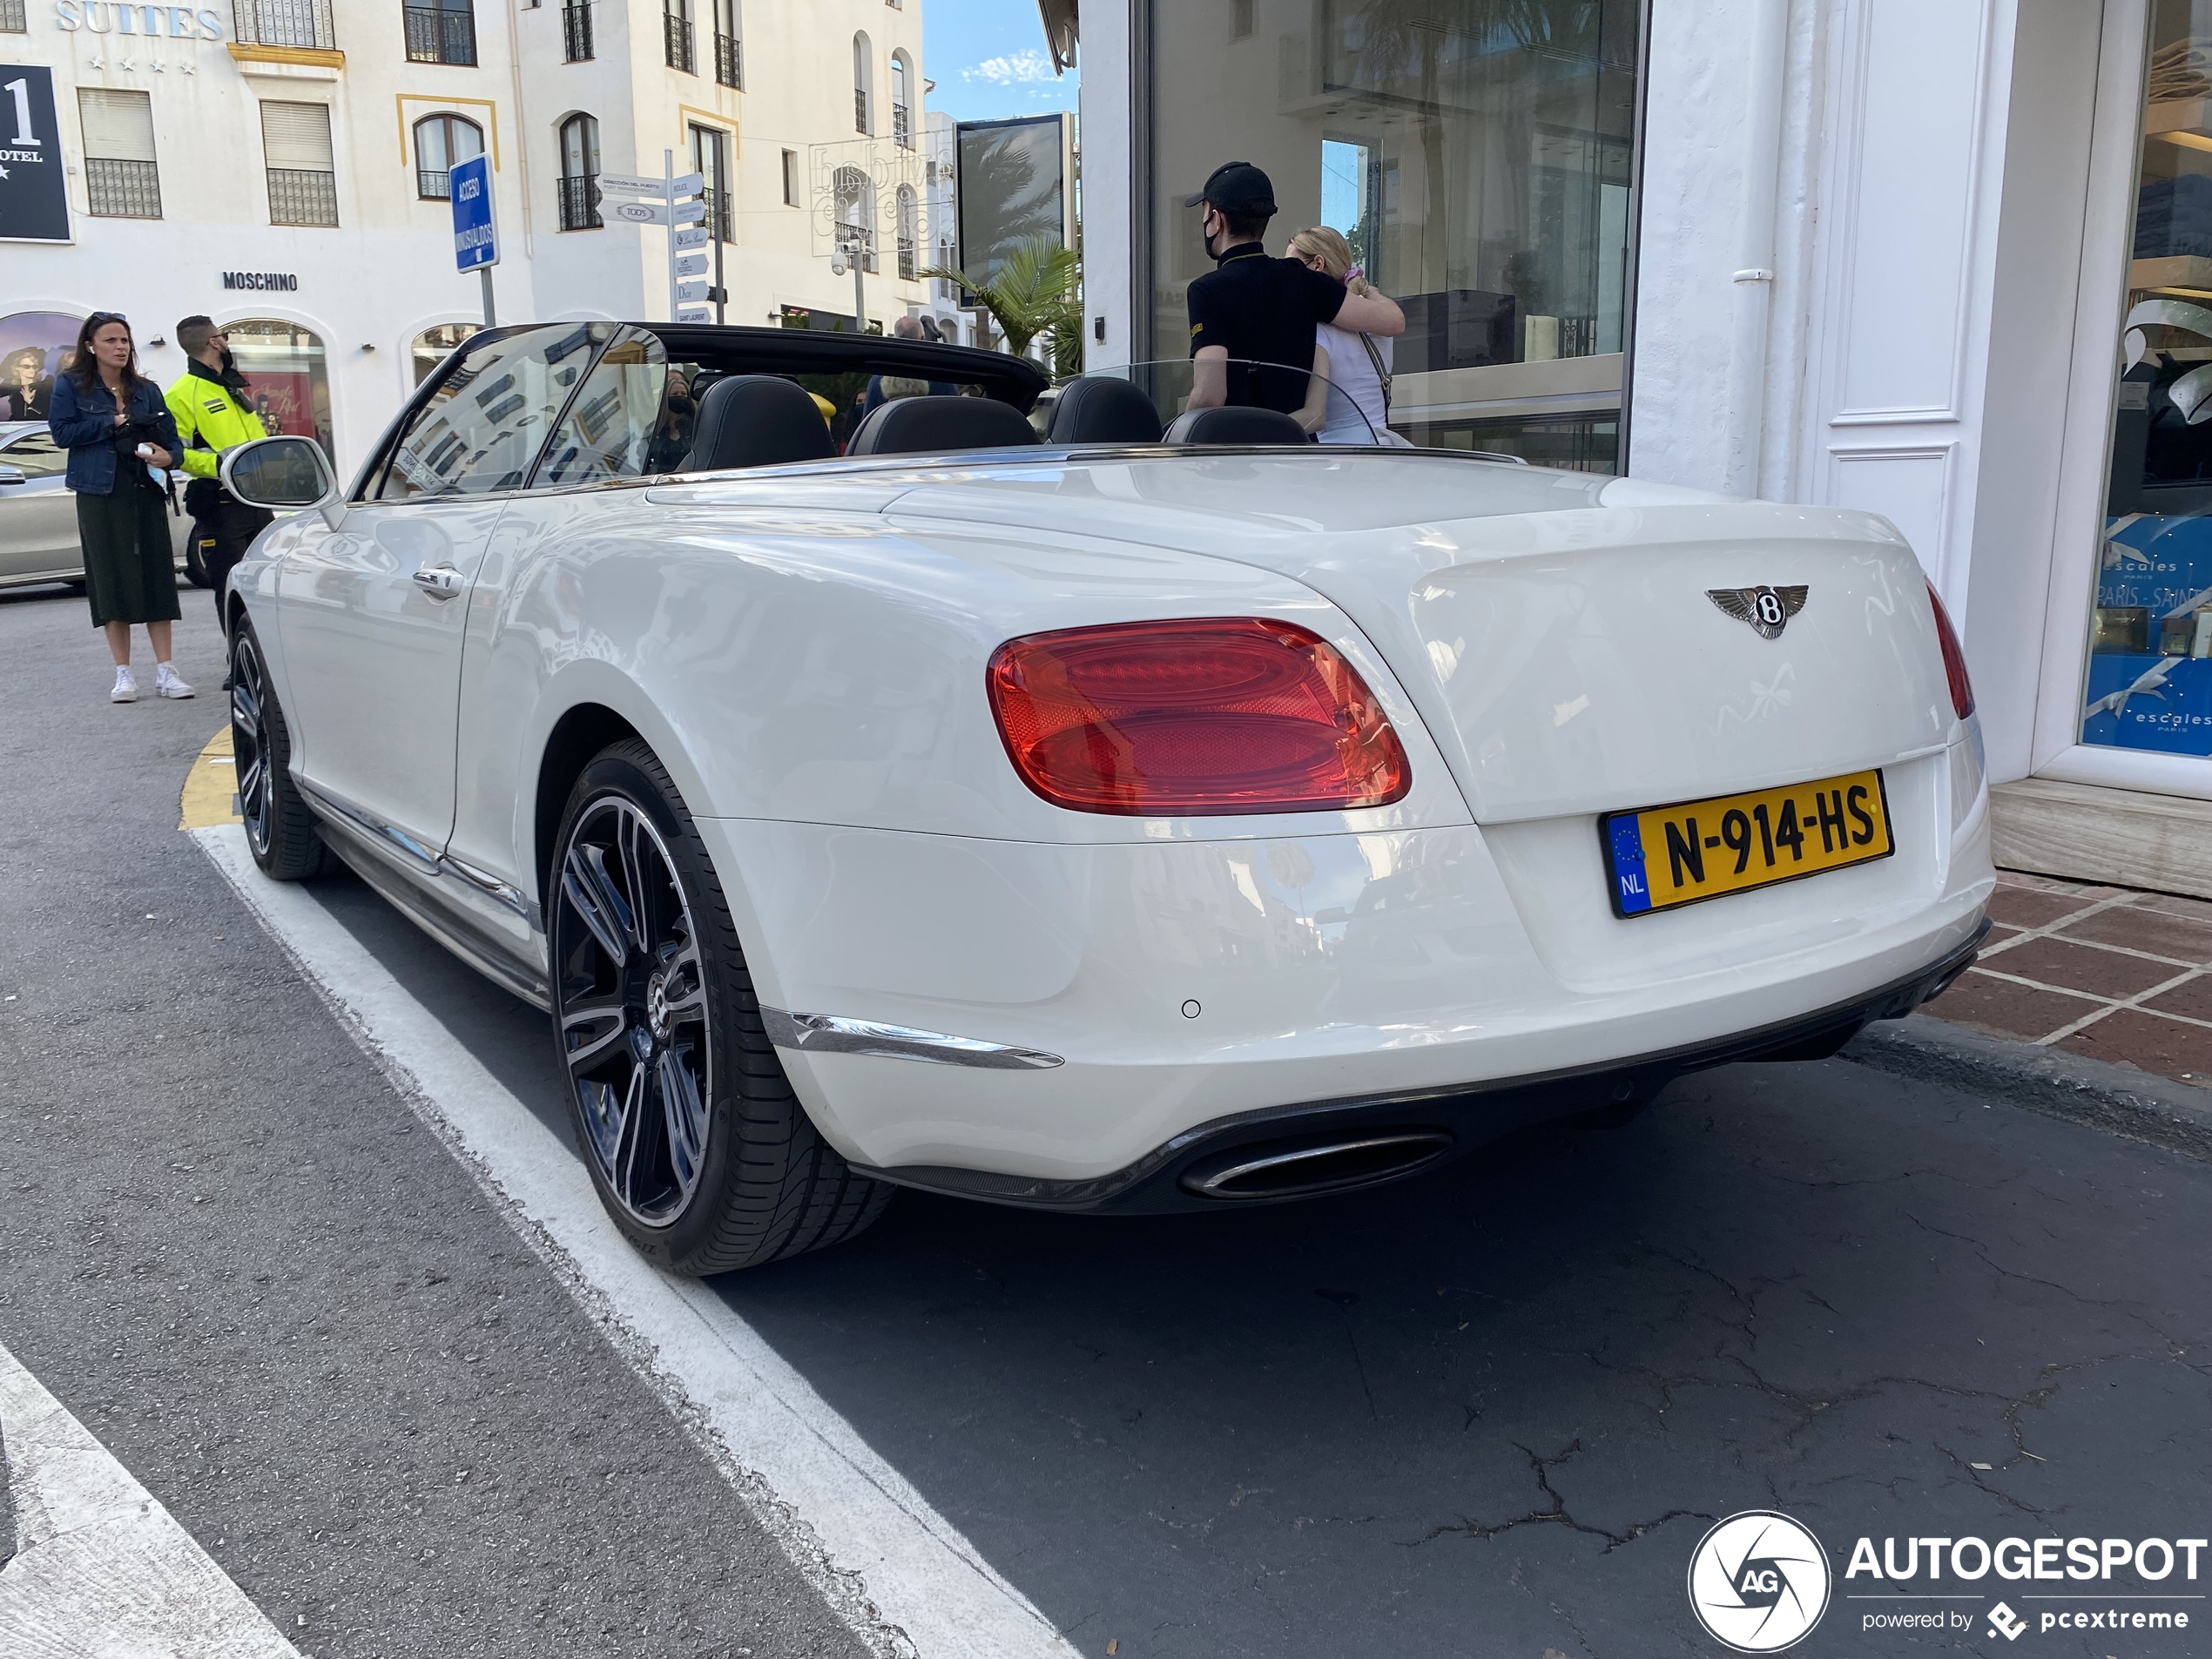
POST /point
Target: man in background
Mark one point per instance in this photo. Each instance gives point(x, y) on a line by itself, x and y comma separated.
point(1253, 309)
point(213, 414)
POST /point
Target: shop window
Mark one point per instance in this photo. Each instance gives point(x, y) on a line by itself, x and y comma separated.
point(1477, 157)
point(303, 178)
point(433, 345)
point(287, 379)
point(34, 347)
point(442, 31)
point(120, 178)
point(580, 173)
point(439, 142)
point(729, 43)
point(2148, 684)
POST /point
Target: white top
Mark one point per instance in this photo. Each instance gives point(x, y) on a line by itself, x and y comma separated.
point(1354, 387)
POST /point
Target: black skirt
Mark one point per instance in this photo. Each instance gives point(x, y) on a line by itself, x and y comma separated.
point(130, 569)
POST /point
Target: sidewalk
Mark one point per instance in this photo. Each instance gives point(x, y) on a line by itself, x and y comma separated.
point(2105, 973)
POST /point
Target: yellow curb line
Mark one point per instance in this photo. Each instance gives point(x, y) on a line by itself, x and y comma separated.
point(210, 795)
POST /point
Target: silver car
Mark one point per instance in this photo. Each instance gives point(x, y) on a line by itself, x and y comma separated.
point(38, 515)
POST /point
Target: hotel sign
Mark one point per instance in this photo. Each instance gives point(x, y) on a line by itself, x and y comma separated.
point(111, 16)
point(34, 202)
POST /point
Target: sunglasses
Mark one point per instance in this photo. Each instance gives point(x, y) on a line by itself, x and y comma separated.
point(100, 319)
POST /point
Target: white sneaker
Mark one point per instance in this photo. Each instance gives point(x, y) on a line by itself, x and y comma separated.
point(126, 689)
point(166, 683)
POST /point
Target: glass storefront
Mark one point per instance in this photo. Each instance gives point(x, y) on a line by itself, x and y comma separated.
point(2149, 680)
point(1478, 157)
point(286, 375)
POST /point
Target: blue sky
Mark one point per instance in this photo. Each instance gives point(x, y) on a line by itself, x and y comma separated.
point(988, 60)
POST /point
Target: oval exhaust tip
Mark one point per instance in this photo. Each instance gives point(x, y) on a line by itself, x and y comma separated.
point(1335, 1164)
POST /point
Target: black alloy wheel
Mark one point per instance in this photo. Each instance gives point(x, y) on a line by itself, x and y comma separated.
point(279, 827)
point(700, 1152)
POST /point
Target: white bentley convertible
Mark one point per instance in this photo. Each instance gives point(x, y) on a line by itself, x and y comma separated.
point(1127, 819)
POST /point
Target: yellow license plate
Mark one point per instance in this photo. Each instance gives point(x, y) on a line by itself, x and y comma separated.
point(1664, 856)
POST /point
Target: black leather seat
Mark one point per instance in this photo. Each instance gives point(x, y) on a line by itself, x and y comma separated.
point(1104, 411)
point(757, 421)
point(1235, 425)
point(911, 426)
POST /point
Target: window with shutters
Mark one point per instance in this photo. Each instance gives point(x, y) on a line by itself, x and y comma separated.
point(120, 178)
point(439, 142)
point(303, 179)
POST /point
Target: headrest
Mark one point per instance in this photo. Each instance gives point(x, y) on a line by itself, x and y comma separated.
point(913, 426)
point(1103, 410)
point(1236, 424)
point(757, 421)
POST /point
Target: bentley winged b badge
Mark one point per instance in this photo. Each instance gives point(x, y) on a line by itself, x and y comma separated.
point(1768, 610)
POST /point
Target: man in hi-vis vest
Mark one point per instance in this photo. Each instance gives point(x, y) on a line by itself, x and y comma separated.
point(214, 415)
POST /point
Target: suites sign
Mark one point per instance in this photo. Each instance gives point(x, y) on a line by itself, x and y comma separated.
point(109, 17)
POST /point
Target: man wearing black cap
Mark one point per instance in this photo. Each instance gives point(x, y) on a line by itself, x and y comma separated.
point(1253, 309)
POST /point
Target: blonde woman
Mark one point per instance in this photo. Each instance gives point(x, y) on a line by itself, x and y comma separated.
point(1356, 366)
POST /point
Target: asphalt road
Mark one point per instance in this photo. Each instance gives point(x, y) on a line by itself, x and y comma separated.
point(1491, 1411)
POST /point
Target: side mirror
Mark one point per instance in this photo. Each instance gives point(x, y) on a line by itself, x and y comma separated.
point(10, 475)
point(283, 475)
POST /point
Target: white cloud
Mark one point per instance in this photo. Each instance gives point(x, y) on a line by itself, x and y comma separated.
point(1028, 64)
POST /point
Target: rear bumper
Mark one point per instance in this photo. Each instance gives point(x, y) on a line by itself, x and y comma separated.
point(1468, 1117)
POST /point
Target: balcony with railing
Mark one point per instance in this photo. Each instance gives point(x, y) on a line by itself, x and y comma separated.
point(435, 36)
point(580, 202)
point(860, 109)
point(902, 126)
point(729, 60)
point(718, 221)
point(123, 189)
point(677, 32)
point(13, 20)
point(302, 24)
point(433, 186)
point(299, 197)
point(575, 32)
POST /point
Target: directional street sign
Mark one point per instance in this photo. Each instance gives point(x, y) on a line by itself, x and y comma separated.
point(692, 265)
point(691, 294)
point(691, 236)
point(476, 229)
point(659, 212)
point(623, 184)
point(693, 313)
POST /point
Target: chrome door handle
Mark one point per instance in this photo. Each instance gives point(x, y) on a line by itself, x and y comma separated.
point(439, 580)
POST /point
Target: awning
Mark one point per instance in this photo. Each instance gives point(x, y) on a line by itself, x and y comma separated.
point(1059, 32)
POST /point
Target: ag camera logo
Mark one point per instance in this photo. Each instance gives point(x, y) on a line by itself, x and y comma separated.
point(1759, 1581)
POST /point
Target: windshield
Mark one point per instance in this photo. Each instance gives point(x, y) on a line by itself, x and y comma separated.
point(1325, 411)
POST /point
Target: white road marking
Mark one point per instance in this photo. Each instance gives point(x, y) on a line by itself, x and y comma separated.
point(804, 1471)
point(101, 1570)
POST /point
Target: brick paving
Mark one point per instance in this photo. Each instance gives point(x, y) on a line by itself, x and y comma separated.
point(2106, 972)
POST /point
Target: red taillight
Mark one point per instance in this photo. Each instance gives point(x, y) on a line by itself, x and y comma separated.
point(1201, 716)
point(1954, 660)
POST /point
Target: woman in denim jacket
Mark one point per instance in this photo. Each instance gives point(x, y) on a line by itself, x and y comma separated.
point(116, 427)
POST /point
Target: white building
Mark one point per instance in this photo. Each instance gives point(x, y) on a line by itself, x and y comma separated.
point(1951, 263)
point(280, 166)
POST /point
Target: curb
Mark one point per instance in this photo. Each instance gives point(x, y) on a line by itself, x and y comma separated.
point(2119, 1100)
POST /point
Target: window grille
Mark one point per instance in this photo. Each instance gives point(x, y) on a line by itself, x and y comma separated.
point(303, 177)
point(436, 35)
point(284, 22)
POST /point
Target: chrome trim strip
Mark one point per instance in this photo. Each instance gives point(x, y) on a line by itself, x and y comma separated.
point(832, 1034)
point(386, 835)
point(506, 892)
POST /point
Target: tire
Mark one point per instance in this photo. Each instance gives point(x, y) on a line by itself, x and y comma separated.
point(279, 829)
point(652, 1004)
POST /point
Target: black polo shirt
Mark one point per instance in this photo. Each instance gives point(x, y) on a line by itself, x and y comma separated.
point(1264, 311)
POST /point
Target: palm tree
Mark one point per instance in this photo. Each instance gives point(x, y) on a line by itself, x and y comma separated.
point(1033, 292)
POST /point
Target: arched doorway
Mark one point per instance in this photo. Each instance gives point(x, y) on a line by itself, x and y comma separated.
point(286, 376)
